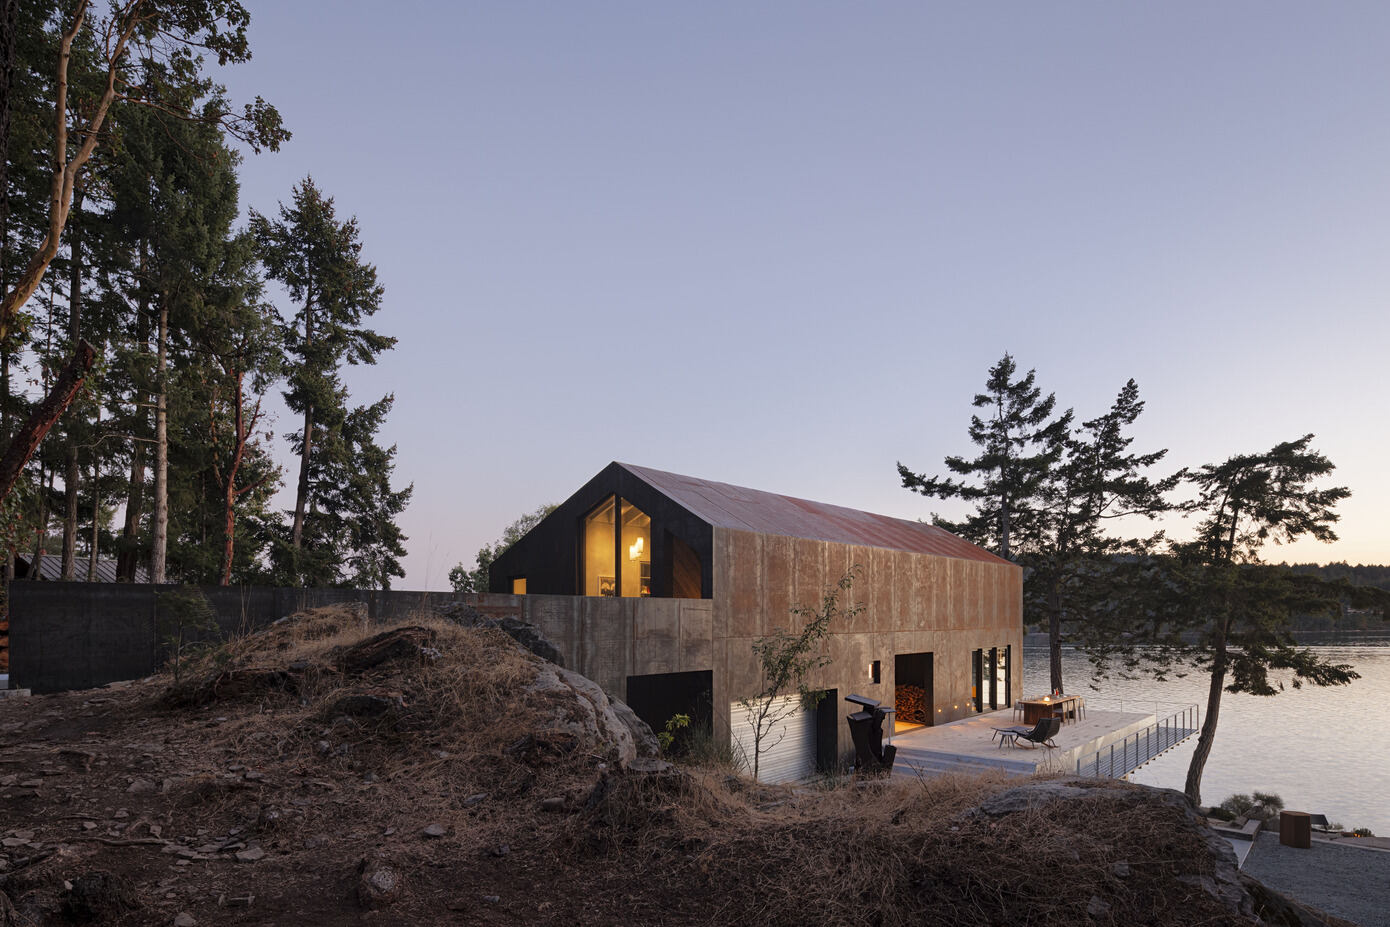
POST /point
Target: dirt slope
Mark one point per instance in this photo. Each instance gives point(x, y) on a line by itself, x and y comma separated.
point(325, 772)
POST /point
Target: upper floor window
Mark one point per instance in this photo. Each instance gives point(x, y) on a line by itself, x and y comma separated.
point(617, 550)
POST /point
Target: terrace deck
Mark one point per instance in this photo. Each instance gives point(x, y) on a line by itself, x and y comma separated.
point(969, 744)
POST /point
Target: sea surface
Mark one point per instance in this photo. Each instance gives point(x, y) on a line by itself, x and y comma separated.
point(1323, 750)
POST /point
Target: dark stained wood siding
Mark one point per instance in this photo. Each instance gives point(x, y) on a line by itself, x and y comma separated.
point(549, 555)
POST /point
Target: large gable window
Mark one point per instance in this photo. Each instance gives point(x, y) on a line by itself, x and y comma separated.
point(617, 550)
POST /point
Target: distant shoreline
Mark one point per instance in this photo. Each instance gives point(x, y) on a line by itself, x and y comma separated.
point(1039, 638)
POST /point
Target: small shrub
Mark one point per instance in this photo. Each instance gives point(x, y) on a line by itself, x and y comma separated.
point(1362, 832)
point(1270, 801)
point(1237, 805)
point(667, 738)
point(1220, 813)
point(183, 615)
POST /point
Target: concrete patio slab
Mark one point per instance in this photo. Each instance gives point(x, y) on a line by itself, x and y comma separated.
point(970, 744)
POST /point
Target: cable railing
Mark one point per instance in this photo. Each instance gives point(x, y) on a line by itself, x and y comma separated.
point(1123, 757)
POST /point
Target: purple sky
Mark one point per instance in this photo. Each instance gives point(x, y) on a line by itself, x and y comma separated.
point(779, 245)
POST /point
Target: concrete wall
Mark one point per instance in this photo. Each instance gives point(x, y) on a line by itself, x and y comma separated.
point(80, 635)
point(913, 603)
point(609, 639)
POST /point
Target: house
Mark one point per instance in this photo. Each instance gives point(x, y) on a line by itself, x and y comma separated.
point(656, 585)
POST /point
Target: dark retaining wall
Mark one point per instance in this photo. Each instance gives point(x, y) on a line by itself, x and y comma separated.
point(80, 635)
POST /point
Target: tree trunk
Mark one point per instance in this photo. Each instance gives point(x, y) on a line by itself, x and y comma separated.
point(96, 514)
point(159, 548)
point(1193, 787)
point(301, 495)
point(238, 451)
point(37, 557)
point(70, 470)
point(129, 552)
point(1054, 638)
point(128, 558)
point(41, 419)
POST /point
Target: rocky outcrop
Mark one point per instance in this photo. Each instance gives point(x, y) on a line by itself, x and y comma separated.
point(1243, 897)
point(527, 635)
point(409, 645)
point(576, 707)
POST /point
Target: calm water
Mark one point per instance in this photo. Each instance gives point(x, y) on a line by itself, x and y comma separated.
point(1323, 750)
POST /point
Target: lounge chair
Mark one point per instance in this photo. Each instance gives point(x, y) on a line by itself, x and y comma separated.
point(1043, 733)
point(1007, 734)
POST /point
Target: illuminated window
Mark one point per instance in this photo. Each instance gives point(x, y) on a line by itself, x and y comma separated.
point(617, 550)
point(519, 585)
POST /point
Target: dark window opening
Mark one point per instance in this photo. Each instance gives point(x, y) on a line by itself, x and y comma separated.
point(656, 698)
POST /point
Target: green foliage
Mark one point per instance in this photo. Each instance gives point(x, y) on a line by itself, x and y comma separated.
point(344, 526)
point(465, 580)
point(1240, 804)
point(667, 738)
point(182, 616)
point(1362, 832)
point(786, 659)
point(1211, 604)
point(1098, 479)
point(1019, 445)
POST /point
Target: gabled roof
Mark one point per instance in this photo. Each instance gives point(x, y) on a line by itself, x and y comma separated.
point(740, 509)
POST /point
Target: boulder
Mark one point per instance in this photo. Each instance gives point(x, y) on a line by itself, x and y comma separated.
point(579, 708)
point(1244, 897)
point(527, 635)
point(410, 644)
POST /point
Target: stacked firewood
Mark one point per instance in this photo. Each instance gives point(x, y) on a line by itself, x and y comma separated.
point(911, 703)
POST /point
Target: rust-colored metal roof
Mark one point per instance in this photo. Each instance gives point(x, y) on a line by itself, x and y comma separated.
point(740, 509)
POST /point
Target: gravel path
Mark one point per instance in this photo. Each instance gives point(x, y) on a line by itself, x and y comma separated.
point(1342, 880)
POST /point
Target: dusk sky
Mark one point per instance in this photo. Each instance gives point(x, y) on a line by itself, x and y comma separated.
point(780, 244)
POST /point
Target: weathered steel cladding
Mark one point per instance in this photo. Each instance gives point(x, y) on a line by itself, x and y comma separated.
point(912, 603)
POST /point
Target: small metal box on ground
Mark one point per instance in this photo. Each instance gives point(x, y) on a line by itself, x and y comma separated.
point(1296, 829)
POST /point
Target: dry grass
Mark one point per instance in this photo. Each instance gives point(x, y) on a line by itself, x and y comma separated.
point(695, 845)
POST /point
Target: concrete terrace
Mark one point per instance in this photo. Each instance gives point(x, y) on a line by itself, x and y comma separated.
point(969, 744)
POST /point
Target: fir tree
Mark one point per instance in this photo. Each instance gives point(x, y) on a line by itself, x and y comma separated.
point(318, 258)
point(1019, 443)
point(1212, 604)
point(1098, 480)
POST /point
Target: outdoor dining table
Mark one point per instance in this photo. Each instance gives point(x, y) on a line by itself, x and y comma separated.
point(1035, 709)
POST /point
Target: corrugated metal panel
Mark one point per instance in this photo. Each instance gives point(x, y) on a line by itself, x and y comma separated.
point(791, 756)
point(51, 570)
point(742, 509)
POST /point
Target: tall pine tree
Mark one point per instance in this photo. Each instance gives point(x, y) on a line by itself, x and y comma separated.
point(1098, 481)
point(1019, 443)
point(318, 259)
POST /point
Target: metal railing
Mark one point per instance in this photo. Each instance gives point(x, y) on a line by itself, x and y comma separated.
point(1123, 757)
